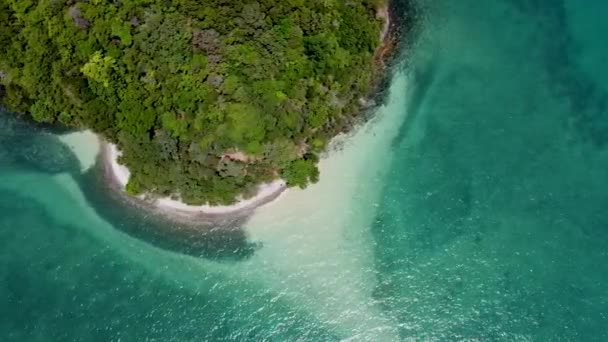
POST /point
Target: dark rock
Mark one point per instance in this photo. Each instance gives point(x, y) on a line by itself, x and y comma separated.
point(216, 80)
point(207, 41)
point(214, 59)
point(134, 21)
point(79, 21)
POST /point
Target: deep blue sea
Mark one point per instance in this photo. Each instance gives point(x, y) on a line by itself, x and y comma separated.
point(474, 206)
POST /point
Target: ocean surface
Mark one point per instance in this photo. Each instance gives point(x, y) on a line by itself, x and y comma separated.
point(474, 206)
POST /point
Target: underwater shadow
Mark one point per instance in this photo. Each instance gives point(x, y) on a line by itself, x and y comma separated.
point(31, 146)
point(222, 241)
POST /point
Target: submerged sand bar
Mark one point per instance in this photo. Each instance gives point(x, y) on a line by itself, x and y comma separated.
point(85, 145)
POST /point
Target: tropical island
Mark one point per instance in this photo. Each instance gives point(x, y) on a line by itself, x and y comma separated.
point(204, 100)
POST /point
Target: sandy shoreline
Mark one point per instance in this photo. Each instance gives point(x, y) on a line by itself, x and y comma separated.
point(117, 176)
point(92, 150)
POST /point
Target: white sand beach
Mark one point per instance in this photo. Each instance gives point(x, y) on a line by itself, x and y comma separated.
point(86, 145)
point(121, 173)
point(266, 192)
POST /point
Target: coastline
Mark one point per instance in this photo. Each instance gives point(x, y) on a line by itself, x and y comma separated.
point(116, 176)
point(383, 57)
point(394, 22)
point(322, 235)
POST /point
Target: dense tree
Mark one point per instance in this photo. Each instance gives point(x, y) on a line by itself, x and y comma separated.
point(182, 86)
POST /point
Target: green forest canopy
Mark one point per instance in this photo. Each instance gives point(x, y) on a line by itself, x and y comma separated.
point(183, 85)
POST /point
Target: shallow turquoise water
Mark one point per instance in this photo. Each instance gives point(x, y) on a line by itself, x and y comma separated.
point(488, 221)
point(494, 221)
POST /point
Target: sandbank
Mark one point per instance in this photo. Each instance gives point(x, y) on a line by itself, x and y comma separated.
point(318, 241)
point(85, 145)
